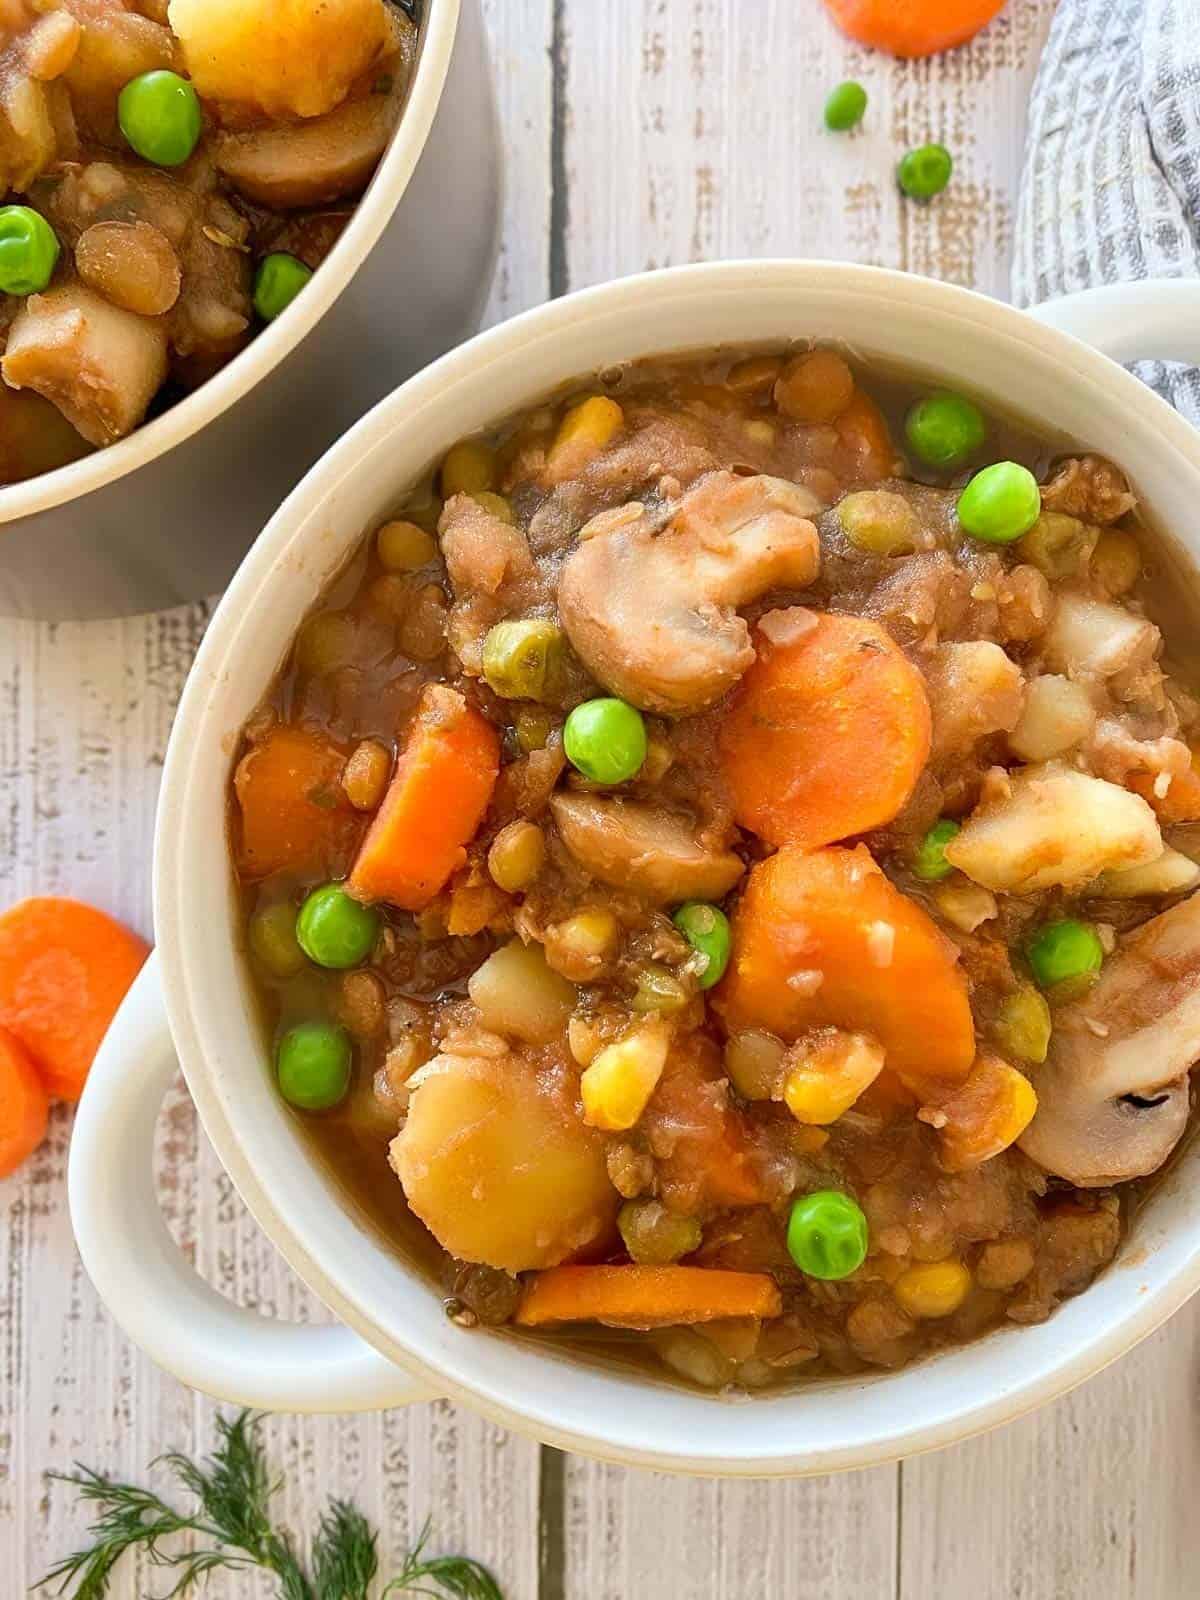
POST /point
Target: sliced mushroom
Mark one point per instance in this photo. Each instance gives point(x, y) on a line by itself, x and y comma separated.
point(99, 364)
point(1113, 1093)
point(653, 615)
point(642, 847)
point(311, 163)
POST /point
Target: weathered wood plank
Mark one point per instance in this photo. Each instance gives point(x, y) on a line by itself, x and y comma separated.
point(84, 717)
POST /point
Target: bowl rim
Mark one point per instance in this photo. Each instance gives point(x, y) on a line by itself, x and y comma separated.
point(272, 344)
point(1063, 1352)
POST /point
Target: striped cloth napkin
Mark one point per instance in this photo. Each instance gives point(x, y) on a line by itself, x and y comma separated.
point(1111, 188)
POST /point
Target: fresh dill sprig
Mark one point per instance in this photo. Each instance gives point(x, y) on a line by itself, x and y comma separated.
point(458, 1576)
point(233, 1530)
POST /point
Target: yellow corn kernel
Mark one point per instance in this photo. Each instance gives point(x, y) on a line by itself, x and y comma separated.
point(579, 946)
point(585, 1039)
point(932, 1288)
point(468, 468)
point(495, 503)
point(621, 1079)
point(824, 1078)
point(985, 1114)
point(587, 428)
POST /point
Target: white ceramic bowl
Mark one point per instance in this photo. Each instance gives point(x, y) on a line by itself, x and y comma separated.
point(195, 998)
point(166, 514)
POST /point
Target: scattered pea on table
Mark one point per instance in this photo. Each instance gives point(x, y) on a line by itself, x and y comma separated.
point(845, 106)
point(925, 171)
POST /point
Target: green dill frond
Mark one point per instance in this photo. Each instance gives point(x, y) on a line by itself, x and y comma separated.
point(456, 1576)
point(344, 1554)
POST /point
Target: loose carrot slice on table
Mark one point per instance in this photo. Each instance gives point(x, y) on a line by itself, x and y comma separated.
point(827, 732)
point(823, 937)
point(441, 789)
point(646, 1297)
point(24, 1104)
point(913, 27)
point(64, 970)
point(294, 813)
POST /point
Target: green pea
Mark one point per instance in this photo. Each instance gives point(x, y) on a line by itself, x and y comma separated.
point(312, 1064)
point(930, 862)
point(335, 930)
point(706, 929)
point(29, 250)
point(827, 1234)
point(522, 659)
point(943, 430)
point(845, 106)
point(925, 171)
point(1000, 503)
point(1065, 950)
point(605, 740)
point(159, 114)
point(278, 279)
point(272, 935)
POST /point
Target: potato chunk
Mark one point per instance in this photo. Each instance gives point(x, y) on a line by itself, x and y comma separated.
point(285, 58)
point(499, 1167)
point(1055, 826)
point(517, 994)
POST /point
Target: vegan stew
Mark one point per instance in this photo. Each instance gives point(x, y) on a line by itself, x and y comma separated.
point(719, 866)
point(174, 172)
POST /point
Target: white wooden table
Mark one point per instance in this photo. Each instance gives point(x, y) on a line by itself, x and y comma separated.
point(639, 133)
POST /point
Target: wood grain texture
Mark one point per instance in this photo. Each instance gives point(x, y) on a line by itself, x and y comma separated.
point(638, 133)
point(85, 711)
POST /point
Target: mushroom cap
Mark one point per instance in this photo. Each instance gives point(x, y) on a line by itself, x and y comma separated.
point(634, 845)
point(1113, 1092)
point(653, 614)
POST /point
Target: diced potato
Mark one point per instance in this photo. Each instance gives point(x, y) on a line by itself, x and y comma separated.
point(517, 994)
point(1055, 826)
point(1058, 715)
point(285, 58)
point(974, 690)
point(1092, 639)
point(499, 1168)
point(1172, 873)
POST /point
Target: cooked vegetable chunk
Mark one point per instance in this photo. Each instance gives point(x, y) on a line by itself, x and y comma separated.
point(642, 847)
point(822, 937)
point(499, 1168)
point(646, 1297)
point(289, 58)
point(652, 614)
point(1056, 826)
point(828, 731)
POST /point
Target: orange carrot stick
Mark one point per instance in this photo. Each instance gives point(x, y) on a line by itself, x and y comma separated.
point(293, 811)
point(646, 1297)
point(827, 733)
point(824, 937)
point(864, 433)
point(24, 1104)
point(64, 970)
point(441, 788)
point(913, 27)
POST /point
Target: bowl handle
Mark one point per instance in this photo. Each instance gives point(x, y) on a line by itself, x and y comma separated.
point(1156, 319)
point(142, 1276)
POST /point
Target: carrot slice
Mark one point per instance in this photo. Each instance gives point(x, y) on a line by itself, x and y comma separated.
point(705, 1159)
point(826, 734)
point(1181, 803)
point(441, 789)
point(24, 1104)
point(863, 431)
point(646, 1297)
point(913, 27)
point(64, 970)
point(824, 937)
point(294, 813)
